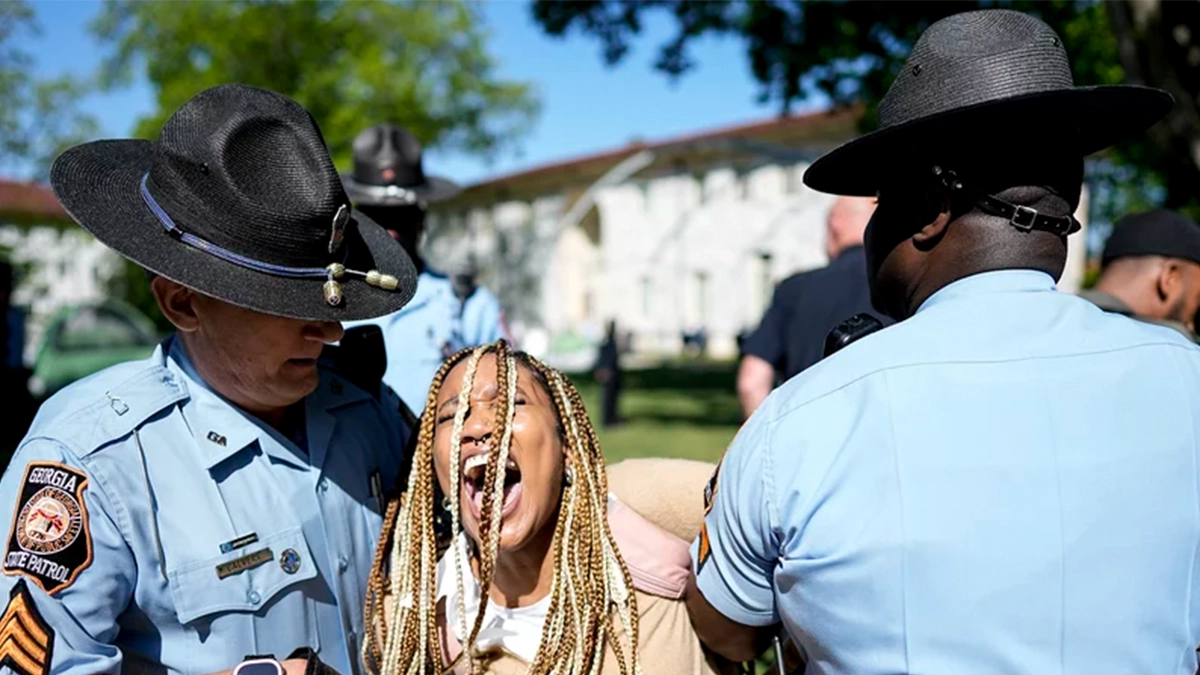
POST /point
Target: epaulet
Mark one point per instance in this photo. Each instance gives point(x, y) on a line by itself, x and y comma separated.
point(658, 561)
point(112, 413)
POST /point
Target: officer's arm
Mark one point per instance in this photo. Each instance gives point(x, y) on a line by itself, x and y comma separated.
point(755, 380)
point(68, 571)
point(762, 353)
point(730, 596)
point(732, 640)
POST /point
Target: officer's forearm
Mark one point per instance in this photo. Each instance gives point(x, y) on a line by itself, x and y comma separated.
point(755, 379)
point(734, 641)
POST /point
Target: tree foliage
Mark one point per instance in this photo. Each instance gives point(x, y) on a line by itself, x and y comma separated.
point(849, 52)
point(38, 117)
point(423, 65)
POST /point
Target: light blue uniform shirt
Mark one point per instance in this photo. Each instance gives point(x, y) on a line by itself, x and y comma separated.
point(431, 327)
point(1007, 482)
point(174, 472)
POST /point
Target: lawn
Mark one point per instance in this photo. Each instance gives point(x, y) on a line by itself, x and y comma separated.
point(686, 410)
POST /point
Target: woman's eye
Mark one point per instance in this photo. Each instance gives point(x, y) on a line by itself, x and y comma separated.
point(445, 418)
point(520, 401)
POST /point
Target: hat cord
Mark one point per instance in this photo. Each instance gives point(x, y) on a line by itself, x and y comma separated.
point(1023, 218)
point(331, 273)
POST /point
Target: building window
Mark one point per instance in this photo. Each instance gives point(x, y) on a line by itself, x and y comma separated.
point(763, 290)
point(644, 190)
point(743, 186)
point(701, 187)
point(647, 300)
point(700, 298)
point(795, 179)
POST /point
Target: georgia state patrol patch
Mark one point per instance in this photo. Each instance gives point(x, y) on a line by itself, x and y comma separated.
point(49, 542)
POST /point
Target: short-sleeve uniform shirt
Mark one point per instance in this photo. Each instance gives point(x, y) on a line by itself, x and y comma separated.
point(1006, 482)
point(157, 528)
point(431, 327)
point(806, 306)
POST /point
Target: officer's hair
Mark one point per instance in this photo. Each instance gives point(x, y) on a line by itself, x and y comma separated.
point(592, 588)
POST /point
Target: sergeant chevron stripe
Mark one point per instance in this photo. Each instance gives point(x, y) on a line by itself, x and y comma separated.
point(26, 640)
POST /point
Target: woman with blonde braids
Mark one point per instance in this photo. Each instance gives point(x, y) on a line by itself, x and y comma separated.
point(530, 561)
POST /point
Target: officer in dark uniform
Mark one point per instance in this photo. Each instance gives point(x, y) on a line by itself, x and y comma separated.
point(808, 305)
point(1151, 270)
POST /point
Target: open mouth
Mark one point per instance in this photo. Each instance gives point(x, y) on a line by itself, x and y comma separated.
point(474, 469)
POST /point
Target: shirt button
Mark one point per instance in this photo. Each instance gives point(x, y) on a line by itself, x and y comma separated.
point(323, 484)
point(253, 597)
point(343, 563)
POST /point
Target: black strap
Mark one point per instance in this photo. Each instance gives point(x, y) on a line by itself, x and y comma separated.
point(1025, 218)
point(313, 666)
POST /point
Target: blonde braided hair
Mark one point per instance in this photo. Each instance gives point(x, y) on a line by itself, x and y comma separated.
point(591, 589)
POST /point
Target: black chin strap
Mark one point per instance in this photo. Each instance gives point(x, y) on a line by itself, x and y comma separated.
point(1023, 218)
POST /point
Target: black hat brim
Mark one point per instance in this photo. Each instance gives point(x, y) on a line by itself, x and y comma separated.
point(98, 184)
point(434, 189)
point(1102, 115)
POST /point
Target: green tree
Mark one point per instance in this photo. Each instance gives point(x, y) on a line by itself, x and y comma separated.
point(423, 65)
point(38, 117)
point(849, 52)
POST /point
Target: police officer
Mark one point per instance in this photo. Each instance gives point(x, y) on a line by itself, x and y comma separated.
point(389, 184)
point(221, 498)
point(1151, 270)
point(1005, 480)
point(806, 306)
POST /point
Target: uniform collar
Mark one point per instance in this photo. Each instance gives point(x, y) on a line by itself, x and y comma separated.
point(988, 283)
point(222, 429)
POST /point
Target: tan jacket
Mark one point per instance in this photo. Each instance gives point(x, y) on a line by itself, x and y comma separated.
point(659, 564)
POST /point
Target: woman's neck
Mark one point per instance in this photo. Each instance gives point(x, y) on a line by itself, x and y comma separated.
point(524, 577)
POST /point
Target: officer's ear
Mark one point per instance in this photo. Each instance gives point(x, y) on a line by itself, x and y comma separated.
point(1170, 280)
point(936, 217)
point(177, 303)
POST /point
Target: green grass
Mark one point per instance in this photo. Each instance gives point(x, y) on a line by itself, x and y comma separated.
point(688, 411)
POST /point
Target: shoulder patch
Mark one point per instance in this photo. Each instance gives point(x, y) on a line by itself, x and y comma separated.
point(26, 640)
point(710, 490)
point(49, 542)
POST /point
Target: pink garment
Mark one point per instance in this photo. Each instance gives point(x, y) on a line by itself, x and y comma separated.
point(658, 562)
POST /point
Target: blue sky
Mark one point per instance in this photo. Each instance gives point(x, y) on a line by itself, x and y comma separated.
point(585, 106)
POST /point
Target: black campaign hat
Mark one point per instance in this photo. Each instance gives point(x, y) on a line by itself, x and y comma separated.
point(1160, 232)
point(239, 199)
point(975, 70)
point(389, 171)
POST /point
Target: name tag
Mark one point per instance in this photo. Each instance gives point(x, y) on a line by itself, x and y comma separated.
point(244, 563)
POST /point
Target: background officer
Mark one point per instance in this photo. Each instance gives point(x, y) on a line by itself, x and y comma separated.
point(1151, 270)
point(389, 184)
point(222, 497)
point(1005, 480)
point(808, 305)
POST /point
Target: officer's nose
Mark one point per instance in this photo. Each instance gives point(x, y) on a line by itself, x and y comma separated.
point(324, 331)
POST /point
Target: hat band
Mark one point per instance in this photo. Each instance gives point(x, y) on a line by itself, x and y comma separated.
point(331, 273)
point(403, 196)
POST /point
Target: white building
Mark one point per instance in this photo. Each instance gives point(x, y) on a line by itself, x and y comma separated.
point(664, 238)
point(63, 264)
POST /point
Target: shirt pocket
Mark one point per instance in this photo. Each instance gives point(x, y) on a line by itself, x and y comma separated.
point(254, 608)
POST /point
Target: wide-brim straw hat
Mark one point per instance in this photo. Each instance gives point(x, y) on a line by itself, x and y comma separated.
point(971, 74)
point(239, 199)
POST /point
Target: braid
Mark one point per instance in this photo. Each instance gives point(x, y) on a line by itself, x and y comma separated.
point(592, 603)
